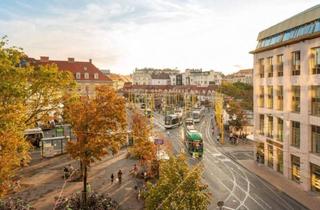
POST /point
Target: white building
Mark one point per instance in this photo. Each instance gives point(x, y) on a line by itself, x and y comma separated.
point(160, 79)
point(144, 76)
point(287, 98)
point(201, 78)
point(243, 75)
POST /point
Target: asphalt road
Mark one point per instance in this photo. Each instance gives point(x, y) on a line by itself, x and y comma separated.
point(227, 180)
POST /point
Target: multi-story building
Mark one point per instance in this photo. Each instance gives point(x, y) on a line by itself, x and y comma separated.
point(243, 75)
point(118, 80)
point(148, 76)
point(201, 78)
point(87, 75)
point(287, 98)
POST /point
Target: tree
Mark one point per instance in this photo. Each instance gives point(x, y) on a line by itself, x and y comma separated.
point(235, 110)
point(27, 94)
point(143, 148)
point(100, 127)
point(179, 187)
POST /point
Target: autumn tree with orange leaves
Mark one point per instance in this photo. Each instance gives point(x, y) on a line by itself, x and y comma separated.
point(100, 126)
point(143, 148)
point(27, 95)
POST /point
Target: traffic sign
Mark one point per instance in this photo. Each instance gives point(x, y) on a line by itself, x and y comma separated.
point(158, 141)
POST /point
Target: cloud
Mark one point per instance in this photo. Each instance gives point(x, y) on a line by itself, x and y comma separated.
point(124, 34)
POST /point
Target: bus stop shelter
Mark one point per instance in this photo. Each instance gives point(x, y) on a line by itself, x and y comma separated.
point(53, 146)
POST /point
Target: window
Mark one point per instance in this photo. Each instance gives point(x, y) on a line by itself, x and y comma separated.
point(280, 160)
point(280, 98)
point(295, 103)
point(261, 67)
point(85, 68)
point(280, 129)
point(295, 168)
point(96, 76)
point(315, 61)
point(315, 100)
point(295, 134)
point(270, 127)
point(270, 97)
point(296, 63)
point(280, 65)
point(315, 139)
point(315, 177)
point(261, 124)
point(78, 75)
point(86, 75)
point(317, 26)
point(270, 156)
point(269, 67)
point(261, 97)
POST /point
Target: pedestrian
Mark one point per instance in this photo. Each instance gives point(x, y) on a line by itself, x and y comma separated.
point(120, 176)
point(65, 172)
point(112, 177)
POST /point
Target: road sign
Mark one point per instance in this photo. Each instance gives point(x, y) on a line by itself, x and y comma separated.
point(158, 141)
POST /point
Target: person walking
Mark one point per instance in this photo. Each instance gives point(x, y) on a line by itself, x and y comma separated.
point(120, 176)
point(112, 178)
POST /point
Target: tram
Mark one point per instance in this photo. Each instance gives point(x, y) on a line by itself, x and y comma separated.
point(198, 114)
point(172, 121)
point(194, 143)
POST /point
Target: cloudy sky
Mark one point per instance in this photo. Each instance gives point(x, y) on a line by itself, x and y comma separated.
point(124, 34)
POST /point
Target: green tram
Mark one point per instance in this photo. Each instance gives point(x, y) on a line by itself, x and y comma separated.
point(194, 143)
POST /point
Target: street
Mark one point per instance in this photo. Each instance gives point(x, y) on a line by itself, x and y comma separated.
point(228, 181)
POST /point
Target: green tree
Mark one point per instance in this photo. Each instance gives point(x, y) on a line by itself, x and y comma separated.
point(100, 127)
point(240, 120)
point(179, 187)
point(27, 94)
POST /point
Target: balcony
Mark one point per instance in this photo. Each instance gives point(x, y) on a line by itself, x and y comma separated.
point(296, 70)
point(270, 70)
point(315, 107)
point(316, 69)
point(280, 70)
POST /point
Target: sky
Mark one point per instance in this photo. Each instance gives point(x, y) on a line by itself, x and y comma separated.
point(122, 35)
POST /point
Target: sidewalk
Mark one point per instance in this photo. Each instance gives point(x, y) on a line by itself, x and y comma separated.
point(283, 184)
point(42, 181)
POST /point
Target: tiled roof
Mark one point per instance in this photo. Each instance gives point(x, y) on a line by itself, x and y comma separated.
point(74, 67)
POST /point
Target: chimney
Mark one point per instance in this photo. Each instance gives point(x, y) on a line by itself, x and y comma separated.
point(70, 60)
point(44, 58)
point(90, 60)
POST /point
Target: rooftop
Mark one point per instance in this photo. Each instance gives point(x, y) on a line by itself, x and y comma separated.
point(303, 26)
point(74, 67)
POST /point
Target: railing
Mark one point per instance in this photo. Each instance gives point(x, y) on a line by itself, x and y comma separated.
point(295, 70)
point(280, 70)
point(315, 106)
point(316, 69)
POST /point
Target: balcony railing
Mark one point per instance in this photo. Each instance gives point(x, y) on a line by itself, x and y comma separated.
point(280, 70)
point(316, 69)
point(270, 70)
point(315, 106)
point(295, 70)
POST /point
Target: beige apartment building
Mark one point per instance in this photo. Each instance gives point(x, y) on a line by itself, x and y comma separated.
point(287, 98)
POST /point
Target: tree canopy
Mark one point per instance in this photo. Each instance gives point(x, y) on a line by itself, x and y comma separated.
point(27, 94)
point(100, 125)
point(179, 187)
point(143, 148)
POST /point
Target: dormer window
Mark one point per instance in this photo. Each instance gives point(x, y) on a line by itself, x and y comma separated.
point(78, 75)
point(96, 76)
point(85, 68)
point(86, 75)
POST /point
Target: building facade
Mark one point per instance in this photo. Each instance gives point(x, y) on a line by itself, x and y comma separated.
point(201, 78)
point(86, 74)
point(243, 75)
point(287, 98)
point(149, 76)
